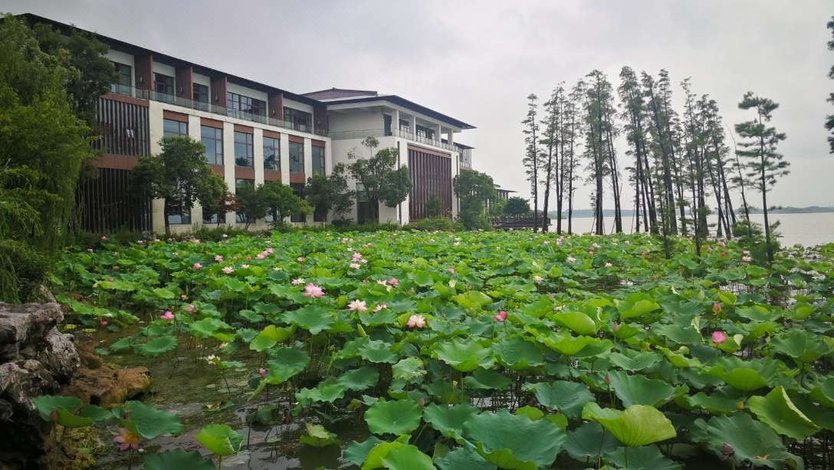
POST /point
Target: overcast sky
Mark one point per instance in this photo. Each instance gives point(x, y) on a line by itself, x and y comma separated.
point(477, 61)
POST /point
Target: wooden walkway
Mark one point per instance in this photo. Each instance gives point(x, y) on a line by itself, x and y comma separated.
point(524, 222)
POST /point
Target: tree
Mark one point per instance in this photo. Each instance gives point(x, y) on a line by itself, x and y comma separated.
point(599, 146)
point(381, 179)
point(532, 156)
point(179, 174)
point(251, 204)
point(42, 147)
point(573, 127)
point(829, 120)
point(330, 193)
point(475, 190)
point(764, 164)
point(434, 208)
point(552, 140)
point(280, 201)
point(517, 206)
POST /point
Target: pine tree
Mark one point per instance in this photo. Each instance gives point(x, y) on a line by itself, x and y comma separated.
point(829, 120)
point(532, 156)
point(599, 134)
point(764, 164)
point(570, 138)
point(551, 140)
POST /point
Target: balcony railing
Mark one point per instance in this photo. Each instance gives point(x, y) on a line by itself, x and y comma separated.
point(465, 158)
point(208, 107)
point(408, 135)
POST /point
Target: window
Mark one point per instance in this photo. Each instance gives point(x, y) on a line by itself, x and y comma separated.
point(242, 184)
point(425, 132)
point(171, 128)
point(405, 125)
point(386, 119)
point(212, 139)
point(318, 160)
point(298, 189)
point(296, 157)
point(124, 81)
point(176, 211)
point(243, 104)
point(213, 217)
point(244, 149)
point(164, 87)
point(298, 120)
point(272, 154)
point(201, 96)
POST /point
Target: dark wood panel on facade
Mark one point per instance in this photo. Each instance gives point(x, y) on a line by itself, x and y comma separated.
point(296, 139)
point(174, 116)
point(211, 123)
point(244, 173)
point(185, 82)
point(116, 162)
point(218, 91)
point(317, 143)
point(275, 104)
point(244, 129)
point(431, 176)
point(143, 65)
point(109, 201)
point(272, 134)
point(123, 127)
point(297, 178)
point(218, 170)
point(272, 175)
point(125, 99)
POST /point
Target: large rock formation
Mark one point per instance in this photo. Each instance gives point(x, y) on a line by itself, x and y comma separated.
point(35, 359)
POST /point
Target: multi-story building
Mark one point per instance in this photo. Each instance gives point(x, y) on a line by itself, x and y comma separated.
point(253, 133)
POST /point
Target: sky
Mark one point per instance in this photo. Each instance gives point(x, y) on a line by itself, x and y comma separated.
point(478, 61)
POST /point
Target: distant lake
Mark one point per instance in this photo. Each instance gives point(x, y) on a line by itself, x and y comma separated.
point(803, 229)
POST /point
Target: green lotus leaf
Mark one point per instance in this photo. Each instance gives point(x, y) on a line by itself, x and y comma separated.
point(567, 397)
point(641, 458)
point(483, 379)
point(373, 319)
point(422, 278)
point(823, 392)
point(317, 436)
point(637, 426)
point(532, 413)
point(756, 313)
point(409, 370)
point(178, 458)
point(686, 335)
point(96, 413)
point(745, 375)
point(150, 422)
point(802, 346)
point(448, 419)
point(393, 417)
point(714, 404)
point(207, 327)
point(511, 441)
point(46, 404)
point(220, 439)
point(464, 356)
point(639, 390)
point(589, 441)
point(286, 363)
point(778, 411)
point(163, 293)
point(578, 322)
point(359, 379)
point(269, 337)
point(327, 391)
point(311, 318)
point(742, 439)
point(473, 300)
point(356, 452)
point(573, 345)
point(633, 362)
point(633, 309)
point(407, 457)
point(820, 414)
point(464, 458)
point(70, 420)
point(157, 346)
point(378, 351)
point(518, 354)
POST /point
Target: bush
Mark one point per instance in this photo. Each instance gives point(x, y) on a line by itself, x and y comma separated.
point(751, 237)
point(442, 224)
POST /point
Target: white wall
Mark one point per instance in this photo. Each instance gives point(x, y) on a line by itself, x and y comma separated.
point(356, 120)
point(121, 57)
point(164, 69)
point(242, 90)
point(297, 105)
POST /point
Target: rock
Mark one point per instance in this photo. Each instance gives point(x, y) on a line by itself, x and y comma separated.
point(105, 386)
point(35, 359)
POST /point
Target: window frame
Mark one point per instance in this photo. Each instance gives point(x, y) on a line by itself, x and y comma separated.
point(217, 138)
point(248, 147)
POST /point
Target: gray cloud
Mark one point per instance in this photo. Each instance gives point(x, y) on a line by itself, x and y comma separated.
point(477, 61)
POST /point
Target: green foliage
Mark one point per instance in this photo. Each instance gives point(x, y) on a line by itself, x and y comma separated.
point(442, 224)
point(180, 173)
point(516, 206)
point(220, 439)
point(43, 144)
point(475, 190)
point(330, 193)
point(381, 180)
point(434, 208)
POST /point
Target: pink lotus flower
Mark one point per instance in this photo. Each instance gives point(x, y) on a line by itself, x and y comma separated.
point(608, 264)
point(103, 322)
point(747, 259)
point(356, 256)
point(269, 250)
point(225, 236)
point(127, 440)
point(537, 279)
point(719, 337)
point(262, 372)
point(358, 306)
point(167, 316)
point(354, 266)
point(90, 250)
point(260, 256)
point(393, 282)
point(298, 281)
point(104, 238)
point(218, 258)
point(228, 270)
point(313, 291)
point(501, 316)
point(300, 259)
point(716, 308)
point(571, 259)
point(416, 321)
point(191, 308)
point(380, 307)
point(452, 270)
point(197, 266)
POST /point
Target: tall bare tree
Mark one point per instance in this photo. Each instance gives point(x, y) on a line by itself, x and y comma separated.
point(532, 156)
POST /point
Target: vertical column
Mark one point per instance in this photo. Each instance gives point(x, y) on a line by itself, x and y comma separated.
point(229, 164)
point(275, 106)
point(185, 82)
point(308, 168)
point(450, 137)
point(144, 73)
point(258, 143)
point(156, 131)
point(285, 159)
point(218, 92)
point(395, 122)
point(195, 133)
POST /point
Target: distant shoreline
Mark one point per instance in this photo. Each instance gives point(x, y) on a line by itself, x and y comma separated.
point(589, 213)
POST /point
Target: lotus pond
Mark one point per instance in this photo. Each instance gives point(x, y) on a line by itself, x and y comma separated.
point(488, 350)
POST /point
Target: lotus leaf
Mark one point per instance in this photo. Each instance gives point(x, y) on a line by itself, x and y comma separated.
point(511, 441)
point(567, 397)
point(742, 439)
point(448, 419)
point(150, 422)
point(178, 458)
point(778, 411)
point(219, 439)
point(393, 417)
point(463, 356)
point(637, 426)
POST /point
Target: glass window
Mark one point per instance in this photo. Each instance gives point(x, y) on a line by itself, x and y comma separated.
point(298, 189)
point(124, 80)
point(200, 93)
point(171, 128)
point(213, 217)
point(212, 139)
point(177, 213)
point(296, 157)
point(272, 154)
point(318, 160)
point(164, 87)
point(425, 132)
point(244, 149)
point(245, 104)
point(297, 119)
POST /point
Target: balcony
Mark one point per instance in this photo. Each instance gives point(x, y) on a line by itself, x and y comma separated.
point(403, 134)
point(202, 106)
point(465, 159)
